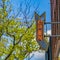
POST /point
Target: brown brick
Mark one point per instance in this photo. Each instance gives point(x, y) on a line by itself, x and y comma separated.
point(55, 17)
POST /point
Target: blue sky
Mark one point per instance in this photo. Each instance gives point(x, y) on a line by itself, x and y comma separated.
point(44, 6)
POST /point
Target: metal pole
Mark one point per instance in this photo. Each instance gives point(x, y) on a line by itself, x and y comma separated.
point(51, 35)
point(48, 54)
point(51, 22)
point(50, 50)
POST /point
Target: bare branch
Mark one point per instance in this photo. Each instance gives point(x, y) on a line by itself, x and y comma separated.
point(20, 8)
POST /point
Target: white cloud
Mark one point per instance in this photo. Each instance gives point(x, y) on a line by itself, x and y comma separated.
point(49, 32)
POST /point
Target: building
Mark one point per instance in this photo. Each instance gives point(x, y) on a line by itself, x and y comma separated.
point(55, 17)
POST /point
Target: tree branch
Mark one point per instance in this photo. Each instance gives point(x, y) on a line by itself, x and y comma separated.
point(10, 53)
point(13, 43)
point(1, 34)
point(10, 35)
point(25, 33)
point(12, 47)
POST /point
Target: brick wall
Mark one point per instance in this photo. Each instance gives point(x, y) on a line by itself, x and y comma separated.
point(55, 17)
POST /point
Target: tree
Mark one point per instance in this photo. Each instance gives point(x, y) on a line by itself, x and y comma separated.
point(17, 41)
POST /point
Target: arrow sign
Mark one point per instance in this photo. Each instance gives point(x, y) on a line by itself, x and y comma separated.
point(40, 32)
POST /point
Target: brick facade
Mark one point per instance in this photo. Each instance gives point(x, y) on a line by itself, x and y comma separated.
point(55, 17)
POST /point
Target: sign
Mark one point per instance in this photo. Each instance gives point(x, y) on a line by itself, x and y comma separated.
point(40, 29)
